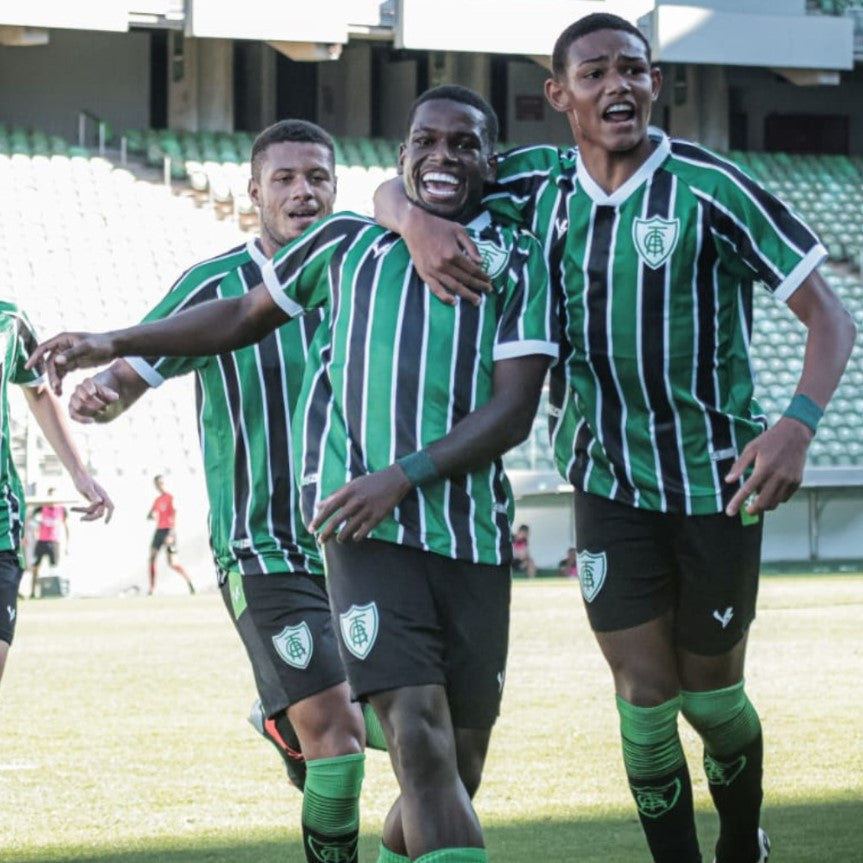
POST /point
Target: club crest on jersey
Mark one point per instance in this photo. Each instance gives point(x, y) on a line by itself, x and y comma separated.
point(655, 239)
point(359, 625)
point(494, 258)
point(592, 569)
point(294, 644)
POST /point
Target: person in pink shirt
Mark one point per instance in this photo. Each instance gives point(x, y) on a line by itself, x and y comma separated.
point(165, 514)
point(50, 521)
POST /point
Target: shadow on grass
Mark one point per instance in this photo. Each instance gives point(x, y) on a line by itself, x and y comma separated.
point(801, 833)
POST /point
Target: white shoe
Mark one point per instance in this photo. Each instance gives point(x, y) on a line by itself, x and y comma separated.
point(763, 847)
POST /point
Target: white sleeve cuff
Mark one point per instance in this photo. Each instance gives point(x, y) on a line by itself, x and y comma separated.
point(814, 257)
point(526, 348)
point(282, 300)
point(145, 371)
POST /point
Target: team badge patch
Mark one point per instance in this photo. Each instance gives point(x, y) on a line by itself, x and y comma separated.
point(592, 569)
point(494, 258)
point(655, 239)
point(723, 773)
point(294, 644)
point(333, 852)
point(359, 625)
point(655, 801)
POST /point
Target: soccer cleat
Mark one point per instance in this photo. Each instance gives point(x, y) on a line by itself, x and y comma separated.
point(289, 749)
point(763, 847)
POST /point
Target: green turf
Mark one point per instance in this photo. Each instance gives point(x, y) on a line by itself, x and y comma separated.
point(123, 739)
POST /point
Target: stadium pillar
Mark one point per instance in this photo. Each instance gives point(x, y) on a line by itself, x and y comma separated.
point(698, 103)
point(200, 84)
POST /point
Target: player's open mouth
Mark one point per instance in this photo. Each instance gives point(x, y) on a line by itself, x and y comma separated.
point(619, 112)
point(304, 215)
point(440, 185)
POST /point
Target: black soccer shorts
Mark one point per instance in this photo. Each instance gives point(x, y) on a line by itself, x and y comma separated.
point(635, 565)
point(10, 578)
point(286, 627)
point(407, 617)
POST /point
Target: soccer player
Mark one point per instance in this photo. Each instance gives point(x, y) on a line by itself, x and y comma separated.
point(270, 569)
point(407, 406)
point(17, 342)
point(165, 536)
point(49, 518)
point(654, 244)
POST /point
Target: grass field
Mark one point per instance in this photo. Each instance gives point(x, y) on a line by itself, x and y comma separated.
point(123, 739)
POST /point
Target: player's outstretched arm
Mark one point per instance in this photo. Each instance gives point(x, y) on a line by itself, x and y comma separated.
point(777, 456)
point(504, 421)
point(104, 396)
point(48, 414)
point(442, 251)
point(210, 328)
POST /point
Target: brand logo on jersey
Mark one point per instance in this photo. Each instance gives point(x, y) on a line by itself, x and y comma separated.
point(725, 617)
point(294, 645)
point(655, 801)
point(359, 626)
point(310, 479)
point(333, 852)
point(560, 226)
point(11, 612)
point(655, 239)
point(241, 544)
point(501, 679)
point(499, 508)
point(494, 258)
point(380, 247)
point(592, 569)
point(723, 773)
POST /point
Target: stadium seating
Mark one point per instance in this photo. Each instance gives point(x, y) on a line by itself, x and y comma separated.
point(97, 244)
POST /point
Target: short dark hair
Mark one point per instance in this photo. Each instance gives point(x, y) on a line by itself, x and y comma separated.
point(465, 96)
point(590, 24)
point(302, 131)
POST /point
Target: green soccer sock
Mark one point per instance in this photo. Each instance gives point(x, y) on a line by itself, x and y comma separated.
point(659, 780)
point(374, 733)
point(331, 807)
point(733, 761)
point(454, 855)
point(387, 856)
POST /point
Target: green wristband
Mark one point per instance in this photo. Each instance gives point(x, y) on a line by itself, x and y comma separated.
point(804, 410)
point(418, 467)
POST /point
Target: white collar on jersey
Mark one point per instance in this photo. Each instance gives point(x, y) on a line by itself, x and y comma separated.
point(618, 196)
point(480, 222)
point(256, 253)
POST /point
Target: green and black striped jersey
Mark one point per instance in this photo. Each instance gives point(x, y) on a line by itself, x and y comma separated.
point(393, 369)
point(653, 398)
point(17, 341)
point(245, 401)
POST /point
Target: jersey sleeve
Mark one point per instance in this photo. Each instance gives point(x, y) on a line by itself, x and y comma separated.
point(297, 275)
point(26, 340)
point(760, 237)
point(197, 285)
point(528, 323)
point(521, 175)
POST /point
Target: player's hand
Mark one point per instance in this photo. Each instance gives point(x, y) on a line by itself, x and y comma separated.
point(69, 351)
point(100, 504)
point(445, 257)
point(89, 399)
point(777, 457)
point(356, 508)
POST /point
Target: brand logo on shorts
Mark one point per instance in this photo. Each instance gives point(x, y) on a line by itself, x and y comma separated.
point(494, 258)
point(725, 617)
point(11, 612)
point(294, 645)
point(723, 773)
point(332, 852)
point(655, 239)
point(359, 626)
point(655, 801)
point(592, 569)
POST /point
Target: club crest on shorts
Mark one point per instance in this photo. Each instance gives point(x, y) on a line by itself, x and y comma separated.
point(655, 239)
point(592, 569)
point(654, 801)
point(359, 625)
point(494, 258)
point(294, 644)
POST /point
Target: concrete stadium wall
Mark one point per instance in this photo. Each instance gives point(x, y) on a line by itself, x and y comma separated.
point(107, 74)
